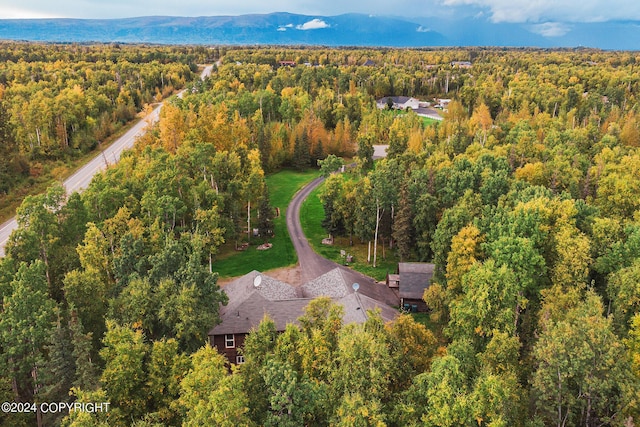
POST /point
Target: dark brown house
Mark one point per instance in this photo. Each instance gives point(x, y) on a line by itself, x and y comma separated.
point(250, 298)
point(255, 295)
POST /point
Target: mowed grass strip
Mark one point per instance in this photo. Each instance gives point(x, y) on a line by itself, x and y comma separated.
point(282, 187)
point(311, 216)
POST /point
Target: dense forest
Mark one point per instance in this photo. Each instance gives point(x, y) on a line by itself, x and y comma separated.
point(525, 197)
point(58, 102)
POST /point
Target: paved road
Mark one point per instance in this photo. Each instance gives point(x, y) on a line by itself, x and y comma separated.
point(313, 265)
point(81, 179)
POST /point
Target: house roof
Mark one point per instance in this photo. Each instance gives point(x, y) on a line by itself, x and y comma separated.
point(334, 284)
point(401, 100)
point(285, 304)
point(252, 310)
point(269, 288)
point(415, 277)
point(357, 304)
point(331, 284)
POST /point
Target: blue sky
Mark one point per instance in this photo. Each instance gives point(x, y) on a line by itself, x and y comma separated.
point(545, 12)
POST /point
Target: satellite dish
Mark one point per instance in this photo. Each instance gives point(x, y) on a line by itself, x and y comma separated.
point(257, 280)
point(355, 287)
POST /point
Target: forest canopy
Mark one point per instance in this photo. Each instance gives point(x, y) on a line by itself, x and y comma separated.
point(525, 197)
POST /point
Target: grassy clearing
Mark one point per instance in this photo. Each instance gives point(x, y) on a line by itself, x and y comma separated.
point(282, 187)
point(311, 215)
point(426, 121)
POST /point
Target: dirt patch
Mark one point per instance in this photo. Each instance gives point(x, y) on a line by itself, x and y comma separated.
point(290, 275)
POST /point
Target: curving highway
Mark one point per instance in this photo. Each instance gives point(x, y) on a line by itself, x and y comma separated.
point(81, 179)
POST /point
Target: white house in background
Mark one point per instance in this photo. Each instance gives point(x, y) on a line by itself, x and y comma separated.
point(442, 104)
point(401, 103)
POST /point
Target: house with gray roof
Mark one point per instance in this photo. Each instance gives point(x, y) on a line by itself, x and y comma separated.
point(411, 280)
point(255, 295)
point(399, 103)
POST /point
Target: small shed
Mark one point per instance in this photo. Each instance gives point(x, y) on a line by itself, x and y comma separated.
point(413, 279)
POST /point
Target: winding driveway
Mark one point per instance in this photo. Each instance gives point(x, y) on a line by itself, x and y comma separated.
point(313, 265)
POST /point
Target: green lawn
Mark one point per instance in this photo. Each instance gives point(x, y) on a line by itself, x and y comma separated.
point(282, 186)
point(427, 121)
point(311, 215)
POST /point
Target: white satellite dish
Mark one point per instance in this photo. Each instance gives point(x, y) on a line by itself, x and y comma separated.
point(355, 287)
point(257, 280)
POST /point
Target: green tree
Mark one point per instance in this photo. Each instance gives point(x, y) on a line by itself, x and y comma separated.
point(86, 370)
point(89, 295)
point(441, 396)
point(124, 374)
point(301, 156)
point(320, 324)
point(355, 411)
point(293, 398)
point(330, 165)
point(363, 365)
point(489, 301)
point(38, 223)
point(403, 225)
point(581, 366)
point(265, 216)
point(332, 197)
point(413, 347)
point(208, 395)
point(365, 151)
point(453, 220)
point(25, 325)
point(624, 291)
point(258, 345)
point(166, 368)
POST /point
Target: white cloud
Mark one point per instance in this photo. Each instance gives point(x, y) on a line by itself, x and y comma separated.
point(422, 29)
point(542, 11)
point(10, 12)
point(314, 24)
point(551, 29)
point(281, 29)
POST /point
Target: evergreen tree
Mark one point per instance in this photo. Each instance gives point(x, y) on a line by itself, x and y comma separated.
point(402, 225)
point(318, 153)
point(59, 368)
point(301, 157)
point(265, 217)
point(86, 374)
point(365, 151)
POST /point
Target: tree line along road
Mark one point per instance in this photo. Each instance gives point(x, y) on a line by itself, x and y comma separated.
point(111, 155)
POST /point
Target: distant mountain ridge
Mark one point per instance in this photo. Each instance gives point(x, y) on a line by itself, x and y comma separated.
point(340, 30)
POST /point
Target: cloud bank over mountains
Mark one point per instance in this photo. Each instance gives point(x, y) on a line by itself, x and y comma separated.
point(508, 11)
point(341, 30)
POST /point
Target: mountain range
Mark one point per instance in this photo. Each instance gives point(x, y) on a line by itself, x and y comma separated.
point(341, 30)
